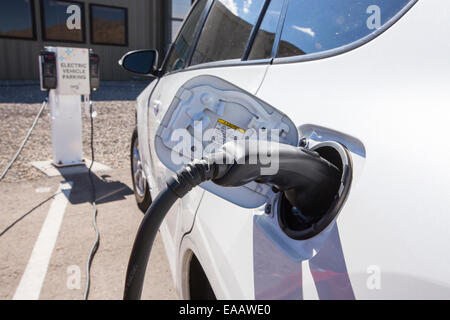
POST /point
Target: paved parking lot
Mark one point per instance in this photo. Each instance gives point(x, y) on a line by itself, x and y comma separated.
point(118, 219)
point(25, 238)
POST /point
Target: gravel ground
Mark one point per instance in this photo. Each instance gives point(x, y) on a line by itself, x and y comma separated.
point(113, 128)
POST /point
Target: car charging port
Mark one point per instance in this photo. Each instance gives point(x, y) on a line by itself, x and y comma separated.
point(300, 225)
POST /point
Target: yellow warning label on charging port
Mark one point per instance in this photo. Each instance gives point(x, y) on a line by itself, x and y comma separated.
point(230, 125)
point(225, 132)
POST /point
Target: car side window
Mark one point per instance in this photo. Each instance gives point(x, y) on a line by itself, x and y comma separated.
point(320, 25)
point(263, 43)
point(179, 53)
point(226, 31)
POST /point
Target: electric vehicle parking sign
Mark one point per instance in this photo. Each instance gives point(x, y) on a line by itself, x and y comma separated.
point(73, 71)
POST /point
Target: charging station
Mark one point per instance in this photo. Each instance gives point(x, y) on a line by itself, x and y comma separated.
point(69, 74)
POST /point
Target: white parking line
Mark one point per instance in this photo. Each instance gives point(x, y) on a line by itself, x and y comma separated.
point(32, 279)
point(308, 285)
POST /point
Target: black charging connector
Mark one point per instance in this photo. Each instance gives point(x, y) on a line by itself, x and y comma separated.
point(299, 173)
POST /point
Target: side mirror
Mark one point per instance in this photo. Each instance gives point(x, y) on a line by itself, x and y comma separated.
point(141, 62)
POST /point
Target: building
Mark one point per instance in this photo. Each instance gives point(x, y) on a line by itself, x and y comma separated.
point(110, 27)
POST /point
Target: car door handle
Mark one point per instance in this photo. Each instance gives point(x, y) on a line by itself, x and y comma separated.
point(157, 104)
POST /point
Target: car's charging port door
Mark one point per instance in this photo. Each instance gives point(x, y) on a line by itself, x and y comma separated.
point(208, 112)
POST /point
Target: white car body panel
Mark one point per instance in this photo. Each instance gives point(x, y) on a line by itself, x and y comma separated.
point(387, 102)
point(181, 217)
point(397, 214)
point(228, 265)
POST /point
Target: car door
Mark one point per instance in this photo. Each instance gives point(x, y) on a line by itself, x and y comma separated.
point(213, 41)
point(347, 75)
point(362, 87)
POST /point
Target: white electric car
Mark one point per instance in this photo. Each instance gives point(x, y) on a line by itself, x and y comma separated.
point(363, 83)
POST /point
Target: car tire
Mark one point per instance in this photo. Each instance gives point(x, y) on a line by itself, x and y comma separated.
point(140, 185)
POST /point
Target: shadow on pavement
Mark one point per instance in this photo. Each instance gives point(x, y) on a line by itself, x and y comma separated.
point(106, 190)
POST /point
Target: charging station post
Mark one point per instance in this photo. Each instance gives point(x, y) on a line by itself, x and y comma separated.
point(68, 74)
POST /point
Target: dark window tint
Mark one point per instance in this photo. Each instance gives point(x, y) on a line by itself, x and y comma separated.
point(108, 25)
point(263, 43)
point(319, 25)
point(181, 47)
point(227, 29)
point(63, 20)
point(16, 19)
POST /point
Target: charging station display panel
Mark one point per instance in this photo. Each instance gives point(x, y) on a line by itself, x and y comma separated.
point(73, 71)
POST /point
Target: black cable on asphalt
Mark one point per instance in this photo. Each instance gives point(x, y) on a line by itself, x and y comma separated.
point(94, 218)
point(44, 104)
point(27, 213)
point(97, 233)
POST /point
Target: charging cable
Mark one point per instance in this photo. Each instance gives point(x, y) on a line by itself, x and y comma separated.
point(92, 114)
point(96, 244)
point(44, 104)
point(302, 175)
point(28, 213)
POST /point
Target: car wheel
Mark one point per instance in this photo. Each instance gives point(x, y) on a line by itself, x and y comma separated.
point(140, 185)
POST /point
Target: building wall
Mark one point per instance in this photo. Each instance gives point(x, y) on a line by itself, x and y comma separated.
point(148, 27)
